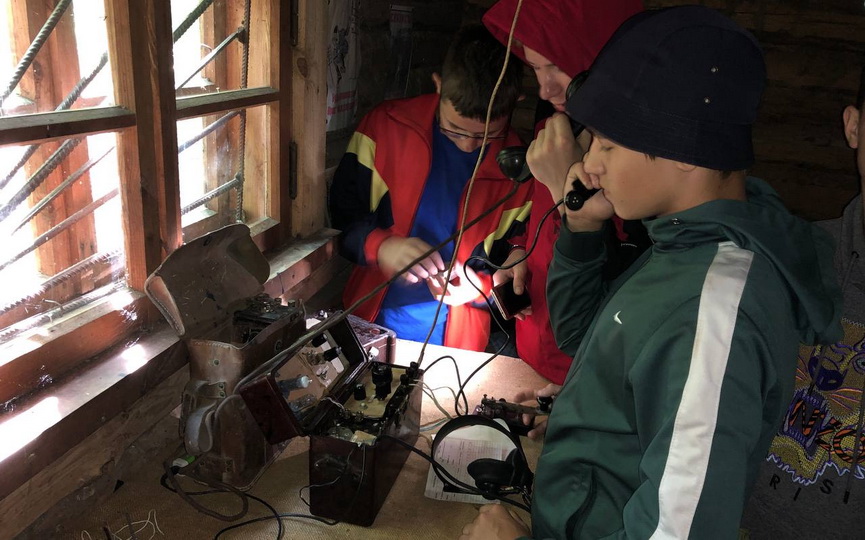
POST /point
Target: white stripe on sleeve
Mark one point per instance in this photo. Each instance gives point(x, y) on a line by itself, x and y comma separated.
point(691, 443)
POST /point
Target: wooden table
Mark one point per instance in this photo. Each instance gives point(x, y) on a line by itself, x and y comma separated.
point(406, 513)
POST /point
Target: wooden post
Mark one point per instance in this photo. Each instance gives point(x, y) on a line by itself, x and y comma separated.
point(148, 153)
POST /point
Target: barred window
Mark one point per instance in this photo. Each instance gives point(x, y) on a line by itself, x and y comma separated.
point(125, 129)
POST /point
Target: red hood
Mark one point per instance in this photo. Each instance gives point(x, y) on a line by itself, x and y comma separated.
point(569, 33)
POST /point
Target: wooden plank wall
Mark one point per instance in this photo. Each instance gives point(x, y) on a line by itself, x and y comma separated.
point(814, 51)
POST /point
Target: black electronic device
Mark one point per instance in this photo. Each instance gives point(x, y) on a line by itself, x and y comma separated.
point(513, 164)
point(512, 413)
point(351, 408)
point(509, 302)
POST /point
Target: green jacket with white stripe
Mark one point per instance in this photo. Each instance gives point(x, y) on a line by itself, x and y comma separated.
point(682, 368)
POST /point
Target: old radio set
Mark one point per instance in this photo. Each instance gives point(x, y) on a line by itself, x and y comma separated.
point(262, 373)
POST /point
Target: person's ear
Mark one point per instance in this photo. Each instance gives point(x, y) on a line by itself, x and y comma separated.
point(684, 167)
point(437, 80)
point(851, 126)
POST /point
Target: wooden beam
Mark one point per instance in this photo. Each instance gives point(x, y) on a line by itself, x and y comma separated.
point(52, 126)
point(54, 349)
point(36, 477)
point(190, 107)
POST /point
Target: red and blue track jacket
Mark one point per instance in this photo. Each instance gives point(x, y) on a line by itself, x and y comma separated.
point(375, 194)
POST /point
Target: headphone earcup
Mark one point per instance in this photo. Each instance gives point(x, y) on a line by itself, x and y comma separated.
point(491, 474)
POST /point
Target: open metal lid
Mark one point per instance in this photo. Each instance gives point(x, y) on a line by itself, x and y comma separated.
point(203, 282)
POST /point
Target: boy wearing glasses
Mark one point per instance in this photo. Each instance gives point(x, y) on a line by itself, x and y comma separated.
point(401, 187)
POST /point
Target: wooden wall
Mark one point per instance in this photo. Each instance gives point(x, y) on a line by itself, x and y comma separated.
point(814, 51)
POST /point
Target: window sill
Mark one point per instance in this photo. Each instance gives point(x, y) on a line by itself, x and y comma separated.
point(53, 421)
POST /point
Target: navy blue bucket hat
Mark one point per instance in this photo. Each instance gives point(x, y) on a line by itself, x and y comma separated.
point(681, 83)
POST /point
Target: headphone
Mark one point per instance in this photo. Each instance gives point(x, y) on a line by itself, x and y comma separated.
point(494, 478)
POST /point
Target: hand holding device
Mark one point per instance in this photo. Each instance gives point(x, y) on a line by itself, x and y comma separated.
point(509, 302)
point(514, 414)
point(544, 397)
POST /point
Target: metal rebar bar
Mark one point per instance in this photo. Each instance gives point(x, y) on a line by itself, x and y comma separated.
point(207, 131)
point(211, 55)
point(244, 81)
point(62, 226)
point(190, 19)
point(59, 189)
point(84, 265)
point(211, 194)
point(39, 176)
point(46, 317)
point(67, 102)
point(35, 46)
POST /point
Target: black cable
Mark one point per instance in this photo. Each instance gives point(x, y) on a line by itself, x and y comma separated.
point(532, 246)
point(325, 521)
point(170, 475)
point(218, 487)
point(276, 515)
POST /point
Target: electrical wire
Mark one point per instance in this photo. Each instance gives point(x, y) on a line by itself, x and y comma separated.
point(325, 521)
point(218, 487)
point(471, 182)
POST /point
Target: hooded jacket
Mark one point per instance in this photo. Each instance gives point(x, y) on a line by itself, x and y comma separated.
point(683, 367)
point(807, 487)
point(376, 193)
point(570, 34)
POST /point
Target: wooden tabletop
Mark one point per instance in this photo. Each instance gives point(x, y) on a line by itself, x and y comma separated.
point(406, 513)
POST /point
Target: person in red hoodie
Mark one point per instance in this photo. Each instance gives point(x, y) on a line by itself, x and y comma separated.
point(558, 39)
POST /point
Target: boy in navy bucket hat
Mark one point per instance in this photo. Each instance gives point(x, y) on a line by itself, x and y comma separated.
point(684, 364)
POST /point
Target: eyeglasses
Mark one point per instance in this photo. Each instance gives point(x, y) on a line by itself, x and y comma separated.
point(456, 135)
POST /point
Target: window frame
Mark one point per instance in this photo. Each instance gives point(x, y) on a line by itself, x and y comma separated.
point(144, 119)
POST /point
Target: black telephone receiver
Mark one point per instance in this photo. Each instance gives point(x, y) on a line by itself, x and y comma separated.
point(512, 159)
point(577, 197)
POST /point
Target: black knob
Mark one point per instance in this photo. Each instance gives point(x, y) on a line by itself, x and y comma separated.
point(412, 370)
point(330, 354)
point(382, 390)
point(359, 392)
point(545, 403)
point(381, 373)
point(318, 340)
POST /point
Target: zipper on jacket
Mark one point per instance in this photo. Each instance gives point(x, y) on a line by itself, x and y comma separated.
point(582, 514)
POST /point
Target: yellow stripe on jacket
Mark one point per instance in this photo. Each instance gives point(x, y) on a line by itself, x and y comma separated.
point(364, 148)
